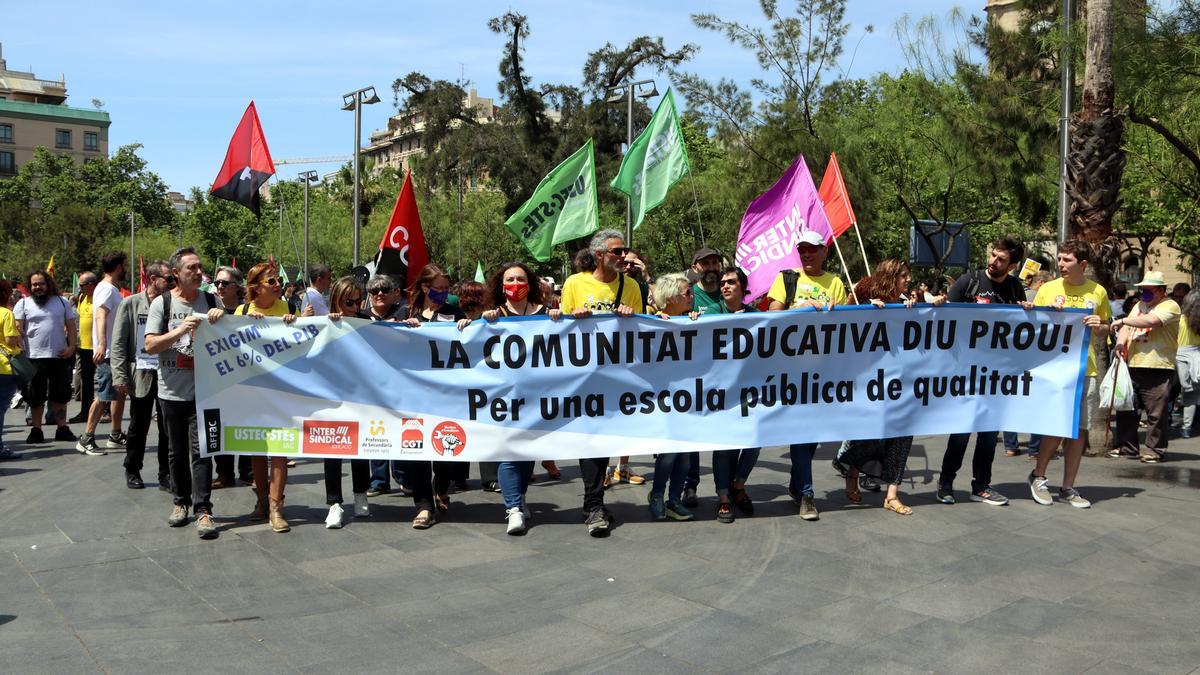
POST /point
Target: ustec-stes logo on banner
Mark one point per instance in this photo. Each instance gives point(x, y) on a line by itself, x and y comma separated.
point(323, 437)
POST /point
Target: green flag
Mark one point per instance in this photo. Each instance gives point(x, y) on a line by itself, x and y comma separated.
point(562, 208)
point(75, 284)
point(479, 272)
point(655, 161)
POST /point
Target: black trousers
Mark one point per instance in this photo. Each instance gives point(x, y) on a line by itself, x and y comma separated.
point(224, 469)
point(190, 473)
point(1152, 387)
point(981, 461)
point(592, 471)
point(420, 480)
point(141, 411)
point(87, 377)
point(360, 478)
point(488, 472)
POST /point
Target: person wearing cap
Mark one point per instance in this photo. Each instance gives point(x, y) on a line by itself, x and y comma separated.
point(706, 294)
point(807, 286)
point(1147, 340)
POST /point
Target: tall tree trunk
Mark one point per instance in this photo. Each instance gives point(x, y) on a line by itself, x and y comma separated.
point(1094, 169)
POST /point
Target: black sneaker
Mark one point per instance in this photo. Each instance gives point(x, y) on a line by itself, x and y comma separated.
point(164, 483)
point(376, 491)
point(945, 493)
point(35, 436)
point(742, 501)
point(133, 481)
point(597, 522)
point(64, 434)
point(87, 446)
point(689, 498)
point(118, 440)
point(491, 486)
point(988, 495)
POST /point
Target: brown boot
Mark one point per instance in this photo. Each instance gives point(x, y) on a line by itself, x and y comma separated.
point(260, 507)
point(277, 522)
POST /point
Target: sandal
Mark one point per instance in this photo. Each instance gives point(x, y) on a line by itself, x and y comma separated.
point(852, 492)
point(551, 469)
point(441, 503)
point(424, 522)
point(895, 506)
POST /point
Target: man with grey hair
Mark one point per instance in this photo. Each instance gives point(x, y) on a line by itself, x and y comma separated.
point(604, 290)
point(170, 327)
point(313, 302)
point(135, 374)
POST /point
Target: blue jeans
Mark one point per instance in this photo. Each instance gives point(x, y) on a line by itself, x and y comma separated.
point(8, 387)
point(379, 474)
point(673, 466)
point(514, 481)
point(730, 466)
point(802, 478)
point(693, 474)
point(1011, 442)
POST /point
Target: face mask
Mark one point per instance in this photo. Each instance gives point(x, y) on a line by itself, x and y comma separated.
point(1147, 295)
point(516, 291)
point(438, 297)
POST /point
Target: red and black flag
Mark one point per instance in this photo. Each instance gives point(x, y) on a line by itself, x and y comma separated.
point(402, 253)
point(247, 164)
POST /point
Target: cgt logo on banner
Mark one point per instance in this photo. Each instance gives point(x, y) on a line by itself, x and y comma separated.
point(449, 439)
point(323, 437)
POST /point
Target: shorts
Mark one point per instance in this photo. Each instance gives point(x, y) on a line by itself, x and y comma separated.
point(1091, 401)
point(51, 381)
point(104, 383)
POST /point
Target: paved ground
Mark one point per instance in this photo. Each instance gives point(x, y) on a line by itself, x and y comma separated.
point(92, 579)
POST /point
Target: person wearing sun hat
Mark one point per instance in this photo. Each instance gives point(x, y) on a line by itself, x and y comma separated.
point(1147, 340)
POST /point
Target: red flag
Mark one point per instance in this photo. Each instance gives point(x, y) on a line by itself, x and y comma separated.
point(247, 164)
point(402, 251)
point(835, 199)
point(234, 265)
point(143, 282)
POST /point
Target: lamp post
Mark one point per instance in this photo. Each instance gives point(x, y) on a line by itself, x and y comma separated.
point(308, 177)
point(626, 90)
point(355, 100)
point(1064, 124)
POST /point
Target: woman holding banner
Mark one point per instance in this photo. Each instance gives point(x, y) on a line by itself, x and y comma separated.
point(882, 458)
point(673, 296)
point(345, 297)
point(264, 289)
point(515, 291)
point(731, 468)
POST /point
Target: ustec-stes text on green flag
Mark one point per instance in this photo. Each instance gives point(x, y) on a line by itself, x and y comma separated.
point(655, 161)
point(562, 208)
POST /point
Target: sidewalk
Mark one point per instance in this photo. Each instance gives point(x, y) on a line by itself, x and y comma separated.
point(92, 579)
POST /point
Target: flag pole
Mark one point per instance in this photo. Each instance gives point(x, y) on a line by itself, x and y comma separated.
point(696, 204)
point(845, 270)
point(862, 248)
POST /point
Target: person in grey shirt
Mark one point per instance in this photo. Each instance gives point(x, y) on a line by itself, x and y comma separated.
point(135, 374)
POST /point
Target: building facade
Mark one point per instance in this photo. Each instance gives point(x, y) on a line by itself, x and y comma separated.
point(33, 113)
point(397, 144)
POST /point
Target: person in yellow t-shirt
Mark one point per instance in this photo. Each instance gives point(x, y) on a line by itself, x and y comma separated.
point(1187, 362)
point(1148, 340)
point(10, 344)
point(1072, 289)
point(603, 290)
point(264, 289)
point(86, 364)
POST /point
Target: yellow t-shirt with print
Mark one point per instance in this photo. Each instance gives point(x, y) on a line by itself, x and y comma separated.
point(1088, 295)
point(8, 329)
point(824, 287)
point(583, 291)
point(85, 322)
point(1155, 347)
point(280, 308)
point(1187, 337)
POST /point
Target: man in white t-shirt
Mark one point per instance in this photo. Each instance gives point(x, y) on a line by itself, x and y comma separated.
point(105, 301)
point(313, 302)
point(48, 323)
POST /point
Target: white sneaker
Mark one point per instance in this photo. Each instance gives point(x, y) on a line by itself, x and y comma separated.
point(516, 521)
point(361, 508)
point(333, 521)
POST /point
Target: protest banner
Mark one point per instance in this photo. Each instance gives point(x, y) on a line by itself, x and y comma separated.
point(532, 388)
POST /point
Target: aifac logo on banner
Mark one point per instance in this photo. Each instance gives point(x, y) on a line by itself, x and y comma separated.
point(212, 429)
point(323, 437)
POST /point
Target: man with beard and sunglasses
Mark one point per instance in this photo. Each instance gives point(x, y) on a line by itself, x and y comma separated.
point(48, 323)
point(135, 374)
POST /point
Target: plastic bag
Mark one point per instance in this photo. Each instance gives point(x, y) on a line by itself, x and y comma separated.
point(1116, 389)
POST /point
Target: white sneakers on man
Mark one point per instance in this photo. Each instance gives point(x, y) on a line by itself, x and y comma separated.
point(333, 521)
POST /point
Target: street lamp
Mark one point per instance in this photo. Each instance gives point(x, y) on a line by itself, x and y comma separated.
point(626, 90)
point(355, 100)
point(307, 177)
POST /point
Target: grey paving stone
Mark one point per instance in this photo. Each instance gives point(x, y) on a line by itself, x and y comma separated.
point(55, 653)
point(851, 621)
point(77, 554)
point(631, 612)
point(564, 644)
point(722, 641)
point(638, 660)
point(216, 648)
point(953, 599)
point(827, 657)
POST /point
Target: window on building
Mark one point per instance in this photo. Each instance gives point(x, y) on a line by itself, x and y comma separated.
point(62, 138)
point(91, 140)
point(6, 133)
point(7, 164)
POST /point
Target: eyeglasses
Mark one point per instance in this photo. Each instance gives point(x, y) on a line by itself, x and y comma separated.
point(730, 282)
point(619, 251)
point(272, 281)
point(379, 291)
point(351, 301)
point(219, 283)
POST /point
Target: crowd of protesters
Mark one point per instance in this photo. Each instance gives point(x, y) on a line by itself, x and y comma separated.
point(133, 353)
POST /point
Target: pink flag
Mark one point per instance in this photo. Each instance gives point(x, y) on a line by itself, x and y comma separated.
point(772, 225)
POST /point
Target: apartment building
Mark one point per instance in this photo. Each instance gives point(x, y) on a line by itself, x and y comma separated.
point(395, 145)
point(34, 113)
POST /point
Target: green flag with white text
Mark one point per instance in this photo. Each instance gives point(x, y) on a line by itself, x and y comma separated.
point(655, 161)
point(479, 272)
point(562, 208)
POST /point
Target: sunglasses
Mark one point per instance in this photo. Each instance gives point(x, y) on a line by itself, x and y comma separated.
point(272, 281)
point(379, 291)
point(220, 283)
point(620, 250)
point(730, 282)
point(351, 301)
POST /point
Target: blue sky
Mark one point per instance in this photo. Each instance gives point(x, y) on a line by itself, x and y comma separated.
point(176, 76)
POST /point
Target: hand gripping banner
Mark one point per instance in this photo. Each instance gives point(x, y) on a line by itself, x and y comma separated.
point(533, 388)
